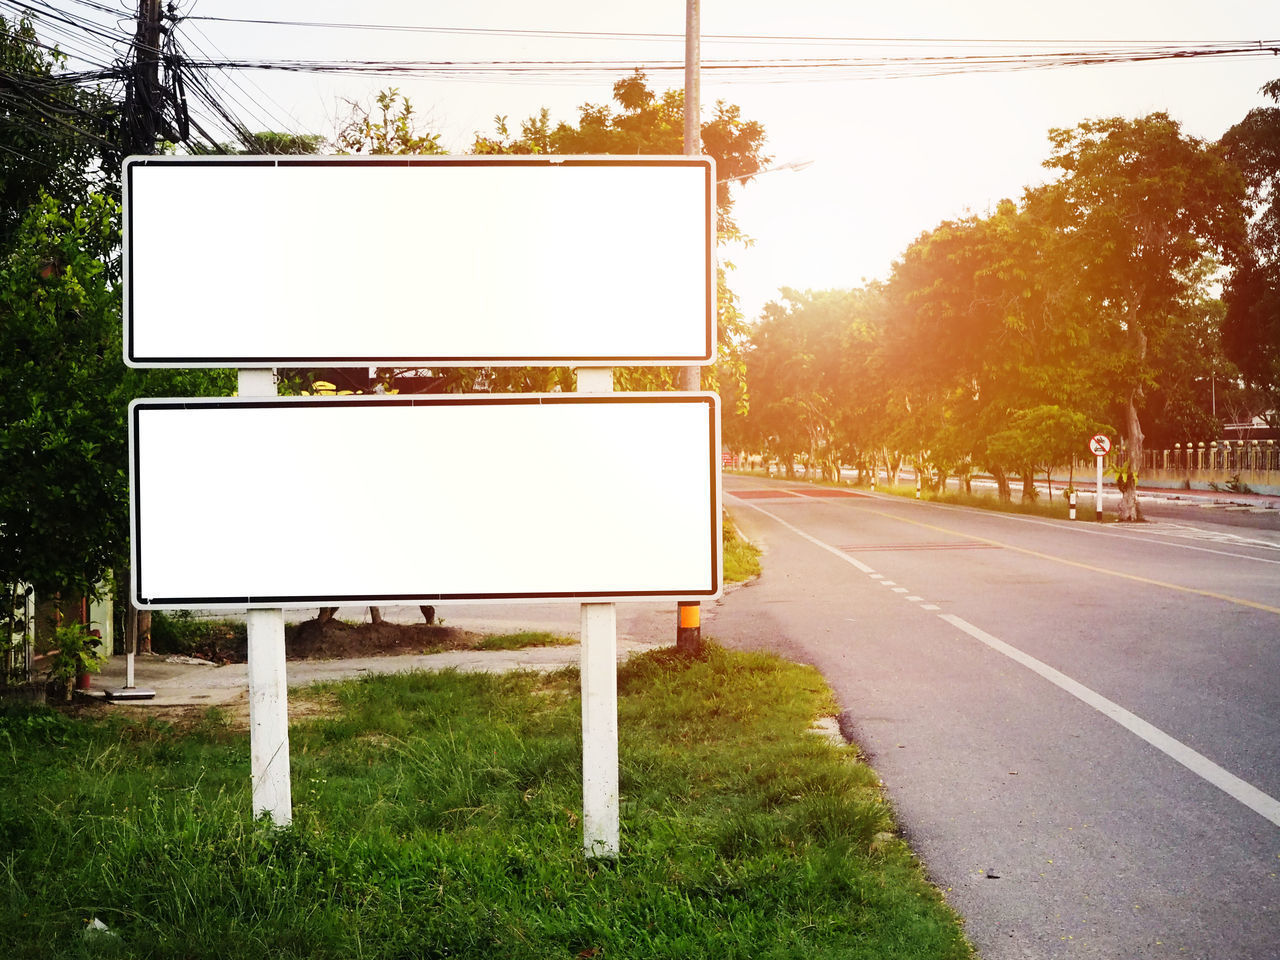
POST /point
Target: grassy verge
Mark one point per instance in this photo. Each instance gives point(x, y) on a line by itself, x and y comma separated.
point(741, 558)
point(525, 638)
point(438, 815)
point(1055, 508)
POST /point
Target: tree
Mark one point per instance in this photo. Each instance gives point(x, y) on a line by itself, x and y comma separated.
point(63, 397)
point(1251, 327)
point(1141, 207)
point(790, 373)
point(61, 422)
point(388, 127)
point(983, 324)
point(50, 132)
point(1046, 436)
point(649, 123)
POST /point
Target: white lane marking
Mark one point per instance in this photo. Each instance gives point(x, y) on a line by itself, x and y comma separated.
point(930, 606)
point(914, 599)
point(858, 564)
point(900, 590)
point(1253, 798)
point(888, 583)
point(877, 576)
point(1093, 529)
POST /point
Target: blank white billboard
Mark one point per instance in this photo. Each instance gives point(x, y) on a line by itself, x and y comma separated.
point(393, 261)
point(241, 502)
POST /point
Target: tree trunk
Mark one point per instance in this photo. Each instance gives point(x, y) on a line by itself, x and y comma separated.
point(1130, 509)
point(144, 631)
point(1002, 485)
point(1028, 477)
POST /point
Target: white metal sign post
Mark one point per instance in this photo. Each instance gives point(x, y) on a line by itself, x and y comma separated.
point(271, 784)
point(1100, 445)
point(601, 829)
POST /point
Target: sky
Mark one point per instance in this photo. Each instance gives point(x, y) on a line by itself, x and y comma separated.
point(891, 158)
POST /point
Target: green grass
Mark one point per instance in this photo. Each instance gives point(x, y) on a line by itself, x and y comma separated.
point(439, 815)
point(525, 638)
point(1057, 508)
point(741, 558)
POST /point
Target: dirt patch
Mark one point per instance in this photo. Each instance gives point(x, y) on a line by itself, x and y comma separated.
point(336, 640)
point(333, 639)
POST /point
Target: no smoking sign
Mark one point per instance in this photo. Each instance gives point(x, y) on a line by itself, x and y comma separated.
point(1100, 445)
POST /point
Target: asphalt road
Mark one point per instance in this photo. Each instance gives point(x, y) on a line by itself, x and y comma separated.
point(1078, 726)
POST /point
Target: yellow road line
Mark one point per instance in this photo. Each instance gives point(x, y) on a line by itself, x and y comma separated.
point(1084, 566)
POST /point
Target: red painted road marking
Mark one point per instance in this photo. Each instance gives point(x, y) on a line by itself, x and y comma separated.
point(773, 494)
point(860, 547)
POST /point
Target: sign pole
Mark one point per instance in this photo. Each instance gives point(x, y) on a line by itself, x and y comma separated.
point(1099, 446)
point(268, 691)
point(599, 678)
point(1097, 499)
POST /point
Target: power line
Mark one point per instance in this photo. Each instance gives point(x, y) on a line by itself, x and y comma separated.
point(273, 121)
point(780, 69)
point(669, 37)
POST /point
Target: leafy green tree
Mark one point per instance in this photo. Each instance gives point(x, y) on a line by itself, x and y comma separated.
point(63, 397)
point(389, 126)
point(641, 121)
point(644, 122)
point(1046, 437)
point(809, 370)
point(790, 372)
point(1141, 208)
point(51, 133)
point(983, 323)
point(1251, 327)
point(268, 143)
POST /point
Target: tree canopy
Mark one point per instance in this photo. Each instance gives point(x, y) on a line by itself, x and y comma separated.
point(1003, 341)
point(52, 135)
point(1251, 327)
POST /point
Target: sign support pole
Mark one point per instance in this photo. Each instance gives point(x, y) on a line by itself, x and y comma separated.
point(268, 691)
point(599, 677)
point(1097, 497)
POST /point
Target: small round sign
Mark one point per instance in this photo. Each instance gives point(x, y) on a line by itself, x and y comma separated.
point(1100, 445)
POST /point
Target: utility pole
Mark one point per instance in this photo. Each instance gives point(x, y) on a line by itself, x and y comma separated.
point(689, 615)
point(143, 95)
point(141, 109)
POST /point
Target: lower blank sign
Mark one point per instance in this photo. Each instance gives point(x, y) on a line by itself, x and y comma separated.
point(322, 501)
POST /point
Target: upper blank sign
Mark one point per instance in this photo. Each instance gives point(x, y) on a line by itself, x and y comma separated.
point(298, 261)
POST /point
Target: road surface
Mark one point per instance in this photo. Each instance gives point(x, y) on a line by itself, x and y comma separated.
point(1078, 725)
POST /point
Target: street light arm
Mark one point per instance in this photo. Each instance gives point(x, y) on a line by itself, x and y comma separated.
point(793, 165)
